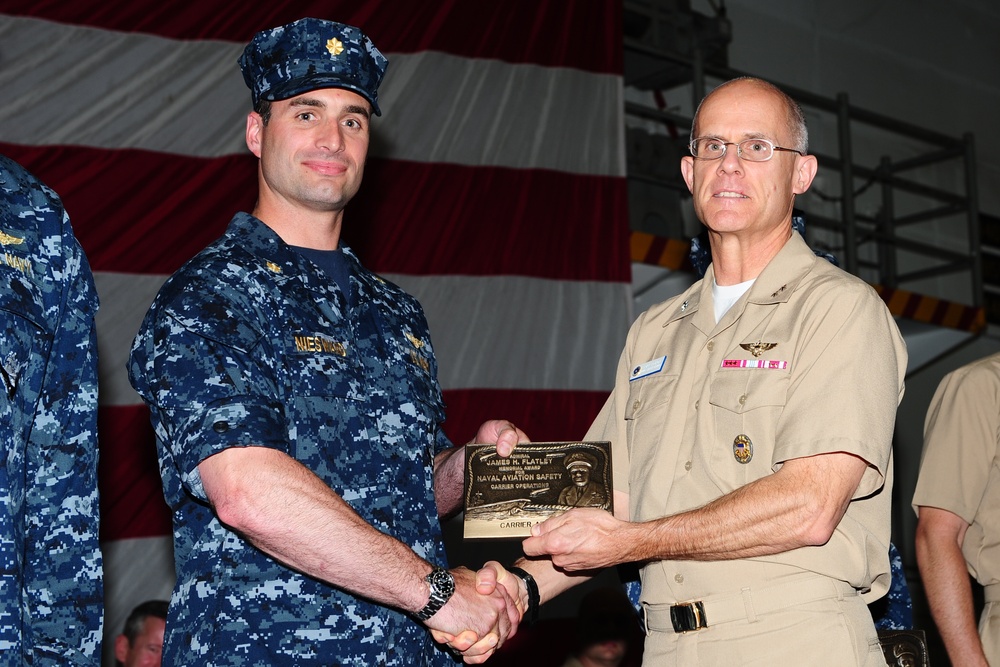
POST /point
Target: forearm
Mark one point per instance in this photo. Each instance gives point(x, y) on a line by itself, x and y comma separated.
point(798, 506)
point(949, 595)
point(551, 581)
point(449, 480)
point(290, 514)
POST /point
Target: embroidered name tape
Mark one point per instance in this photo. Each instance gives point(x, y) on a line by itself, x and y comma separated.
point(755, 363)
point(648, 368)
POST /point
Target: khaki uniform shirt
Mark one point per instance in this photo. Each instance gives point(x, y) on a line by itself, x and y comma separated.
point(960, 465)
point(809, 361)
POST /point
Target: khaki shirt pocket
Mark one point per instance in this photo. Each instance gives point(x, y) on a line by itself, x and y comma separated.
point(648, 432)
point(747, 405)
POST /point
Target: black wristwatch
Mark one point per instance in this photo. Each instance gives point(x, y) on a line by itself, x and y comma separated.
point(442, 585)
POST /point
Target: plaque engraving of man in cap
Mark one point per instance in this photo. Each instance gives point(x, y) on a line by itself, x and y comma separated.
point(298, 414)
point(581, 491)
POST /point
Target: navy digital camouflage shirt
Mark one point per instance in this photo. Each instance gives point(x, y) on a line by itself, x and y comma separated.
point(51, 596)
point(251, 344)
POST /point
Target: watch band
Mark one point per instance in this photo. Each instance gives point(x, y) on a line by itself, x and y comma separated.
point(531, 614)
point(442, 586)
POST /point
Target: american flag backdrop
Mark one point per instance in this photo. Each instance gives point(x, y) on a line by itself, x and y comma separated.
point(495, 193)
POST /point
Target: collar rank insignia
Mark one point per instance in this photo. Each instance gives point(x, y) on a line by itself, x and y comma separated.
point(334, 46)
point(272, 267)
point(778, 291)
point(684, 306)
point(758, 348)
point(7, 239)
point(416, 342)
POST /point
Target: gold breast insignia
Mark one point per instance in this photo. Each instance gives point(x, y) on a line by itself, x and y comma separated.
point(7, 239)
point(758, 348)
point(742, 448)
point(416, 342)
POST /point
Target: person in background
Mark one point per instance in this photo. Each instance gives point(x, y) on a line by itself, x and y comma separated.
point(957, 501)
point(141, 642)
point(51, 574)
point(606, 628)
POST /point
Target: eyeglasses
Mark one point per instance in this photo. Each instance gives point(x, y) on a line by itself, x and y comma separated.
point(752, 150)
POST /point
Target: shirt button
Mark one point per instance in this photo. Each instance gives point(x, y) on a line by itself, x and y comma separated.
point(743, 399)
point(635, 406)
point(679, 578)
point(711, 345)
point(687, 466)
point(220, 427)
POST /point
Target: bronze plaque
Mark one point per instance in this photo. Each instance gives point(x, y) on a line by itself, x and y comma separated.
point(505, 497)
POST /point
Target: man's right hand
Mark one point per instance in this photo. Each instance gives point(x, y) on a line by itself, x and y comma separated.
point(493, 574)
point(477, 619)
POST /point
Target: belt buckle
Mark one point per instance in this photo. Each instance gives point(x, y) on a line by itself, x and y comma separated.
point(688, 616)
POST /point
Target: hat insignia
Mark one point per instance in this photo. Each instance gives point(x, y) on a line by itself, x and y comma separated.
point(334, 46)
point(7, 239)
point(758, 348)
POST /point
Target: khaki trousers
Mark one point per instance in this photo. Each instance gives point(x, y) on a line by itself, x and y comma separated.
point(809, 620)
point(989, 625)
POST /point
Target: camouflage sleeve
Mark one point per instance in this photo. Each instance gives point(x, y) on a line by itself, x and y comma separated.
point(207, 395)
point(63, 591)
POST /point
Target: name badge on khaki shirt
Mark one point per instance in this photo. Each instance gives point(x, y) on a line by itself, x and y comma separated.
point(649, 368)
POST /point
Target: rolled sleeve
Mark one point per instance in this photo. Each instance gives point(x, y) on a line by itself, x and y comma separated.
point(206, 396)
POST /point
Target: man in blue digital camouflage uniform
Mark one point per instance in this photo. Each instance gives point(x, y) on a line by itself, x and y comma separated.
point(51, 597)
point(295, 400)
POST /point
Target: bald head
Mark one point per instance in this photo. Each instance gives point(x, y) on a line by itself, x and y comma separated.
point(794, 118)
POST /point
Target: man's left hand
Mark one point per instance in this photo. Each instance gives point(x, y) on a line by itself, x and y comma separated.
point(581, 539)
point(502, 433)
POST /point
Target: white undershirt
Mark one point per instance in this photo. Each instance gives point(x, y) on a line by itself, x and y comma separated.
point(724, 296)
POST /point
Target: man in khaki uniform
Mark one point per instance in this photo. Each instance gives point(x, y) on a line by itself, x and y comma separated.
point(752, 423)
point(957, 500)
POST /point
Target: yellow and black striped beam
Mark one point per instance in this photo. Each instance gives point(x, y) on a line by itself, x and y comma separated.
point(931, 310)
point(659, 251)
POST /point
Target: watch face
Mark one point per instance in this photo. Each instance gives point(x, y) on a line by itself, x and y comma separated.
point(442, 582)
point(442, 585)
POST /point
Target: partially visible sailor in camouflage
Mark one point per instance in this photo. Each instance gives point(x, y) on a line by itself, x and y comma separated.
point(51, 595)
point(296, 405)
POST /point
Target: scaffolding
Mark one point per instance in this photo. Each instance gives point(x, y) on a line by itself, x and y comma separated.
point(912, 235)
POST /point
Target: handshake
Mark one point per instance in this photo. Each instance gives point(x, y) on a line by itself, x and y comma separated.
point(482, 613)
point(487, 606)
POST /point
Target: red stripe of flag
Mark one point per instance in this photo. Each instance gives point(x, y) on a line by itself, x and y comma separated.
point(541, 32)
point(132, 503)
point(143, 212)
